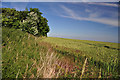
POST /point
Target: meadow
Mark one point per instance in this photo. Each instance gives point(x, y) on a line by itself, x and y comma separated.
point(27, 56)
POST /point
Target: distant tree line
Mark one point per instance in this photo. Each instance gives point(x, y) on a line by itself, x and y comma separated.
point(30, 21)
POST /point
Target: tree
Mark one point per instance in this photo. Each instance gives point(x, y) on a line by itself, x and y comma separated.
point(30, 21)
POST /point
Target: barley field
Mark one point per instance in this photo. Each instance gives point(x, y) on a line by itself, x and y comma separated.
point(101, 54)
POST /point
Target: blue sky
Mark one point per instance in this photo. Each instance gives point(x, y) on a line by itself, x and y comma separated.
point(77, 20)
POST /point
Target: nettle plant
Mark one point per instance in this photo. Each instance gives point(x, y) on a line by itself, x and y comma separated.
point(30, 23)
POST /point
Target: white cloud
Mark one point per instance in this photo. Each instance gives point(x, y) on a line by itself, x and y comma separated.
point(5, 6)
point(99, 0)
point(104, 4)
point(60, 0)
point(69, 11)
point(15, 0)
point(97, 3)
point(94, 17)
point(19, 7)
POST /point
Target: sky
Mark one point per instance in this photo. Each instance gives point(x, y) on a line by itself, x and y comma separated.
point(97, 21)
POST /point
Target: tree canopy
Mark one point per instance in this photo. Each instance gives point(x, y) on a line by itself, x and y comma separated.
point(30, 21)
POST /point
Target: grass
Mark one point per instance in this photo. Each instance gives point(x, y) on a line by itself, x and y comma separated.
point(24, 57)
point(96, 52)
point(27, 56)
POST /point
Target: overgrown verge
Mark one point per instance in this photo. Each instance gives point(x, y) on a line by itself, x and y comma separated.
point(24, 57)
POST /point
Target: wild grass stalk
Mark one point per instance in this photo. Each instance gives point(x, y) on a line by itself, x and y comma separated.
point(100, 73)
point(83, 69)
point(17, 74)
point(25, 74)
point(17, 57)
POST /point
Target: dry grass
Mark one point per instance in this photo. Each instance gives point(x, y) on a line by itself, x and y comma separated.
point(100, 73)
point(46, 66)
point(83, 69)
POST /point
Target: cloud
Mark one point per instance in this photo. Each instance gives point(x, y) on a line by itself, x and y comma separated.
point(5, 6)
point(104, 4)
point(97, 3)
point(15, 0)
point(94, 17)
point(100, 0)
point(69, 11)
point(19, 7)
point(60, 0)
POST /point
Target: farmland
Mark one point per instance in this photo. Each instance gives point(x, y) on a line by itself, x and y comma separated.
point(100, 51)
point(27, 56)
point(102, 54)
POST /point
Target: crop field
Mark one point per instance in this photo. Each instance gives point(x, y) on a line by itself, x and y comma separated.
point(27, 56)
point(100, 51)
point(102, 54)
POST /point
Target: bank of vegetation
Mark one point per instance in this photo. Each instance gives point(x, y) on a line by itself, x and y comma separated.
point(28, 53)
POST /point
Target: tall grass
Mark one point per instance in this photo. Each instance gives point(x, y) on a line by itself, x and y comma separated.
point(45, 67)
point(25, 57)
point(48, 67)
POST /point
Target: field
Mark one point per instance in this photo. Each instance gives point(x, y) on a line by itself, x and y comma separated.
point(104, 51)
point(27, 56)
point(101, 54)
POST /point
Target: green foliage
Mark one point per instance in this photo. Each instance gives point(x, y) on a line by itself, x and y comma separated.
point(20, 49)
point(29, 21)
point(30, 24)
